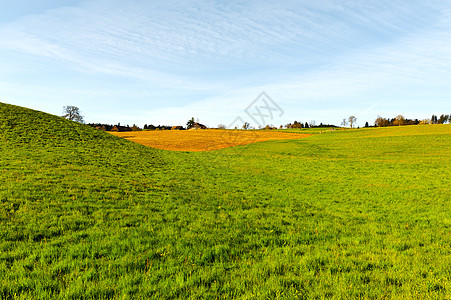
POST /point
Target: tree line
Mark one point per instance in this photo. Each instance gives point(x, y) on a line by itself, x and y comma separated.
point(400, 120)
point(311, 124)
point(191, 124)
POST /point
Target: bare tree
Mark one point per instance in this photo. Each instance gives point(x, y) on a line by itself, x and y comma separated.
point(72, 113)
point(344, 123)
point(399, 120)
point(352, 120)
point(425, 121)
point(312, 123)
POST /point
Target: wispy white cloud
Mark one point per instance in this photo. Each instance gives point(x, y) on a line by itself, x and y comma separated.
point(184, 34)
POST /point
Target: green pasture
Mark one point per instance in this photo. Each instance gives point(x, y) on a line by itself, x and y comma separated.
point(342, 214)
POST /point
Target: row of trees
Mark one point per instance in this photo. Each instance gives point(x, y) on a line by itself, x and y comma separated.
point(311, 124)
point(400, 120)
point(157, 127)
point(118, 127)
point(73, 113)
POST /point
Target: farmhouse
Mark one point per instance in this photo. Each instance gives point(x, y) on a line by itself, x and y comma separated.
point(198, 126)
point(102, 127)
point(177, 128)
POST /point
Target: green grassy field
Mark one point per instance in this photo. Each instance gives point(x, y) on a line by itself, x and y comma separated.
point(344, 214)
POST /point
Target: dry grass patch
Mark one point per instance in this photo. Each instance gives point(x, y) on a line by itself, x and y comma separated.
point(203, 140)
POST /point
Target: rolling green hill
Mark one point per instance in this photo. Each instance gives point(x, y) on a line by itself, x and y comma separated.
point(345, 214)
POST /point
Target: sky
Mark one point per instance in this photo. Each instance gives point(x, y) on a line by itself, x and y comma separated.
point(163, 62)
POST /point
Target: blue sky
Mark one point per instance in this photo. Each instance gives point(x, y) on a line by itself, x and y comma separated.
point(162, 62)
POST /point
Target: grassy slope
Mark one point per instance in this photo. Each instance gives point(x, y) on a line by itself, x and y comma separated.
point(362, 213)
point(70, 204)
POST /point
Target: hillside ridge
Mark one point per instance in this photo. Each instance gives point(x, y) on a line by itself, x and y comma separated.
point(24, 125)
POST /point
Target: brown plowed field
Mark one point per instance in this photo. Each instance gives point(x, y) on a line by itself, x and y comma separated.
point(203, 140)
